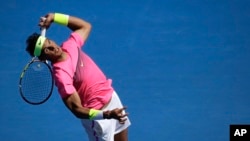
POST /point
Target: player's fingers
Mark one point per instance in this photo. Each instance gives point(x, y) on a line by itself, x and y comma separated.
point(122, 109)
point(42, 21)
point(121, 112)
point(124, 115)
point(122, 120)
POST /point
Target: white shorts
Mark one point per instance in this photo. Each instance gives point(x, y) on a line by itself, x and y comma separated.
point(104, 130)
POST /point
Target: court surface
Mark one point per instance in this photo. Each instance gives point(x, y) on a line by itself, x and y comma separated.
point(181, 67)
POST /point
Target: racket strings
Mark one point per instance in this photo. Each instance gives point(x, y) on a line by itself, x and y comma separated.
point(37, 82)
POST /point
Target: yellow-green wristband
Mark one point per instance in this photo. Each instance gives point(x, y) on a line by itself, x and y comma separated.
point(61, 19)
point(95, 114)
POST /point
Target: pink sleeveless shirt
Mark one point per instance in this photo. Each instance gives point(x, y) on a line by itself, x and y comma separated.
point(81, 75)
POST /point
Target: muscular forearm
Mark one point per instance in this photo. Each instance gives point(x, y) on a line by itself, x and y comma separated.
point(75, 23)
point(80, 112)
point(78, 25)
point(73, 103)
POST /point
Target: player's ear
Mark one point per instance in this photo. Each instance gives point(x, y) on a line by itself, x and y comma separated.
point(44, 54)
point(46, 50)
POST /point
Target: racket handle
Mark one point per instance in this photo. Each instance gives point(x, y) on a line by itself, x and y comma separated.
point(43, 29)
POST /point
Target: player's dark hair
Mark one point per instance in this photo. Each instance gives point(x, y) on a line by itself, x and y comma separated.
point(31, 43)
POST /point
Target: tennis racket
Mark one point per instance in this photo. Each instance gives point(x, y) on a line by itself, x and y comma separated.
point(36, 81)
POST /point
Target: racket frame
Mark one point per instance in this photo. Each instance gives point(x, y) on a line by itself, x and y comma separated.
point(35, 59)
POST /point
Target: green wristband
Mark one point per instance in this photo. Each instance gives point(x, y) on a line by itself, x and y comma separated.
point(95, 114)
point(61, 19)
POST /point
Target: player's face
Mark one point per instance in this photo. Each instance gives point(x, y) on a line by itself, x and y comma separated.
point(51, 49)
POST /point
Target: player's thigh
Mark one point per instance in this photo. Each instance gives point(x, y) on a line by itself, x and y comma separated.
point(122, 136)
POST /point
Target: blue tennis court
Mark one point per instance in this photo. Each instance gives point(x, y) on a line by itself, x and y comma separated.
point(181, 67)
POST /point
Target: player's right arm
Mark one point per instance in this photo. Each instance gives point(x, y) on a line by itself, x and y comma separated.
point(73, 103)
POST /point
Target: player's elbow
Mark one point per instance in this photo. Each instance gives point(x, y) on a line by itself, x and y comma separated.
point(88, 26)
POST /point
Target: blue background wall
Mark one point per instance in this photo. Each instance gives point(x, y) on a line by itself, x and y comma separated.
point(181, 67)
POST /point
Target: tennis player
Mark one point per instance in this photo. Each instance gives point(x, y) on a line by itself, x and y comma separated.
point(84, 88)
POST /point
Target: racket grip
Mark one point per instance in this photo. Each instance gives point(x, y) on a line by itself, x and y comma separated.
point(43, 29)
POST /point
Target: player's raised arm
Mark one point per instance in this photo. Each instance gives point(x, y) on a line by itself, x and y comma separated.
point(75, 24)
point(80, 26)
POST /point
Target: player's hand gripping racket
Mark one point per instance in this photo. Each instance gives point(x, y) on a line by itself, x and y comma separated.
point(36, 80)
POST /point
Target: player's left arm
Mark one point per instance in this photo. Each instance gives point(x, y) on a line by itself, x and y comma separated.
point(75, 24)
